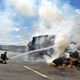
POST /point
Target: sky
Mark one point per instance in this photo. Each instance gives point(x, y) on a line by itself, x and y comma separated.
point(20, 20)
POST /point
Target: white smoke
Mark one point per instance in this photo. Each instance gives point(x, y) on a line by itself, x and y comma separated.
point(49, 11)
point(63, 22)
point(53, 20)
point(25, 7)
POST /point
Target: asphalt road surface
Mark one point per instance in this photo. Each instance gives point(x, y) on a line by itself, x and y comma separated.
point(35, 71)
point(18, 72)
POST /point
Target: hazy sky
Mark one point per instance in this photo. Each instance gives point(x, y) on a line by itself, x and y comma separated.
point(22, 19)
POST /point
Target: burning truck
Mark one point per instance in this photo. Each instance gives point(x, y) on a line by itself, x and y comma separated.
point(63, 54)
point(41, 42)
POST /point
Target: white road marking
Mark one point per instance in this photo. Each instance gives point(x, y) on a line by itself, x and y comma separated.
point(36, 72)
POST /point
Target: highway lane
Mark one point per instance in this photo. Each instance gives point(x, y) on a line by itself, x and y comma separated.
point(55, 73)
point(18, 72)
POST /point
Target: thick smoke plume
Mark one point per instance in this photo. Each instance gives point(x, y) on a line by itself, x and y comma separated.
point(25, 7)
point(62, 21)
point(53, 20)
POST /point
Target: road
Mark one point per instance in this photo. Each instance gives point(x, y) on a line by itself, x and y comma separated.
point(18, 71)
point(21, 70)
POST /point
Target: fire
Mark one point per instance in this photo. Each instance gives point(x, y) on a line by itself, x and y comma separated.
point(51, 64)
point(72, 62)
